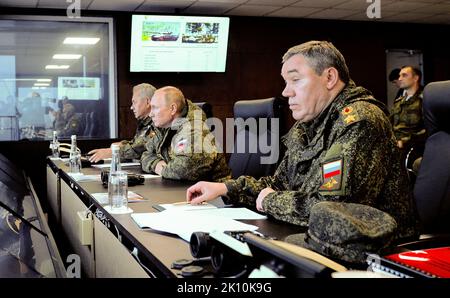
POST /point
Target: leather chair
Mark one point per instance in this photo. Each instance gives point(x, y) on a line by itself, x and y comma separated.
point(206, 107)
point(89, 127)
point(432, 186)
point(249, 161)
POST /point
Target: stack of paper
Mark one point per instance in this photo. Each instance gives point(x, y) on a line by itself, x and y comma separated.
point(184, 223)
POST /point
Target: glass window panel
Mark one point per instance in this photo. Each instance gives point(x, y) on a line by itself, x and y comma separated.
point(58, 74)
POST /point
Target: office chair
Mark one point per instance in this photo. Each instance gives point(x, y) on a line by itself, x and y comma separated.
point(432, 187)
point(206, 107)
point(89, 127)
point(248, 161)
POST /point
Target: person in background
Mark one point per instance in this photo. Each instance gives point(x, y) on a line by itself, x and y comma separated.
point(140, 105)
point(406, 116)
point(183, 147)
point(342, 148)
point(67, 122)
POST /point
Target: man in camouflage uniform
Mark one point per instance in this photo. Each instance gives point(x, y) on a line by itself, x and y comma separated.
point(140, 105)
point(342, 148)
point(183, 147)
point(406, 116)
point(68, 123)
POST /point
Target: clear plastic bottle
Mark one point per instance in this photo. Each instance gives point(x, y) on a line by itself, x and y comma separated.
point(75, 156)
point(55, 145)
point(117, 184)
point(115, 158)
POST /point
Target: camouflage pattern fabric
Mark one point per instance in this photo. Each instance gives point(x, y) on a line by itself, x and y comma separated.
point(133, 149)
point(188, 148)
point(70, 125)
point(346, 231)
point(406, 118)
point(347, 154)
point(73, 127)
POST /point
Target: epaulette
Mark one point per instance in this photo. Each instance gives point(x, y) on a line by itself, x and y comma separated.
point(349, 115)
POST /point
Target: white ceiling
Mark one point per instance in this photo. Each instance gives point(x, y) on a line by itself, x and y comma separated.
point(414, 11)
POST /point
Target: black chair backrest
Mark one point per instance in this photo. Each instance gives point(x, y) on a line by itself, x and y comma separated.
point(247, 156)
point(436, 107)
point(206, 107)
point(89, 127)
point(432, 186)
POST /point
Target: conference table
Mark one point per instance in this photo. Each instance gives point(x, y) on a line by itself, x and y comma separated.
point(111, 245)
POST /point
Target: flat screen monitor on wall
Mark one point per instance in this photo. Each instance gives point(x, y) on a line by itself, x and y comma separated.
point(87, 88)
point(178, 43)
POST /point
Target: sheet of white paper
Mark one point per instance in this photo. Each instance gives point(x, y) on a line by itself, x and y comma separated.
point(102, 197)
point(183, 206)
point(87, 178)
point(123, 164)
point(184, 224)
point(233, 213)
point(150, 176)
point(75, 176)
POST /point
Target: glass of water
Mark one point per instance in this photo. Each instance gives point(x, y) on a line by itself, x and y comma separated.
point(118, 192)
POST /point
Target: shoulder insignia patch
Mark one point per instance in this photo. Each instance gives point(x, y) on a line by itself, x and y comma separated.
point(347, 110)
point(349, 115)
point(181, 146)
point(332, 175)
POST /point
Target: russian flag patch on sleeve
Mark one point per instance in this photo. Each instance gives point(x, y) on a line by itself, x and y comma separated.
point(332, 175)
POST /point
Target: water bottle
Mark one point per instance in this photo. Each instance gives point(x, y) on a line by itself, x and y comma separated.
point(117, 184)
point(75, 156)
point(55, 145)
point(115, 158)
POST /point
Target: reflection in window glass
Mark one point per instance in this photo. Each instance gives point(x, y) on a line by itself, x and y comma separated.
point(56, 75)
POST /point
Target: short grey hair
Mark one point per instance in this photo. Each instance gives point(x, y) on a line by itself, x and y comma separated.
point(174, 95)
point(146, 90)
point(321, 55)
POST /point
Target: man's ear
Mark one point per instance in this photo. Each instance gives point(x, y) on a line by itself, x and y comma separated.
point(173, 108)
point(332, 76)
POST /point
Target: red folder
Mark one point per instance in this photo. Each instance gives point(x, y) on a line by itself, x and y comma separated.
point(433, 261)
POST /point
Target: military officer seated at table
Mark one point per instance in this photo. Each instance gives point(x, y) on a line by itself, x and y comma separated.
point(183, 147)
point(140, 105)
point(342, 148)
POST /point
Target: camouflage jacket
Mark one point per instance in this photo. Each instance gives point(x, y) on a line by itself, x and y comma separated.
point(188, 148)
point(347, 154)
point(406, 118)
point(133, 149)
point(71, 126)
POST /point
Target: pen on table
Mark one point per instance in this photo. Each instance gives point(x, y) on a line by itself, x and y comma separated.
point(186, 203)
